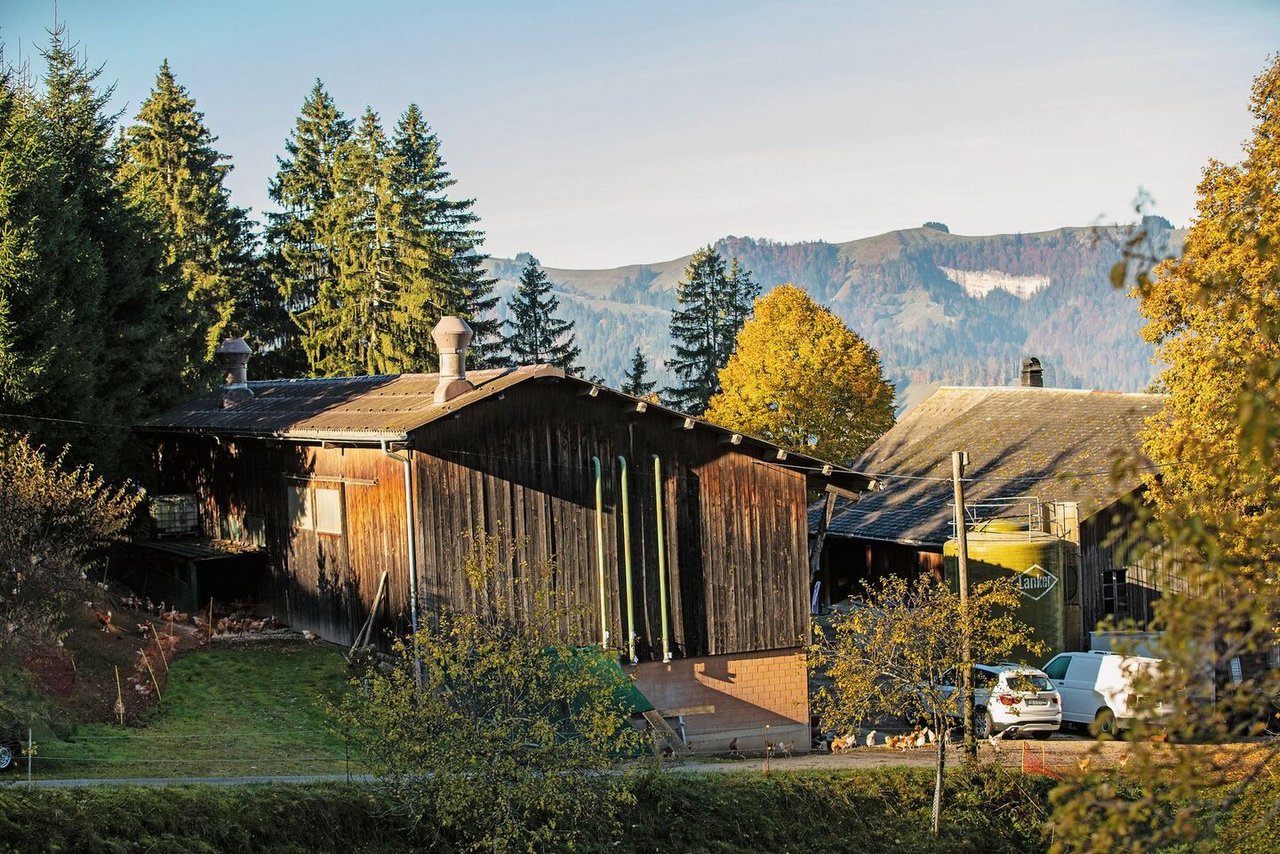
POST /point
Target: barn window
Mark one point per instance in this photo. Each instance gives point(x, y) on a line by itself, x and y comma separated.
point(315, 508)
point(1115, 592)
point(328, 510)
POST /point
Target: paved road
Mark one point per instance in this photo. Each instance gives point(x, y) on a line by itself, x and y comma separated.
point(1059, 751)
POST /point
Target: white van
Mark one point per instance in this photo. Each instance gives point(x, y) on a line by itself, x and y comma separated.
point(1097, 688)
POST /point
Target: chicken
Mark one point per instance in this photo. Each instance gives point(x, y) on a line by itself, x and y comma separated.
point(871, 739)
point(309, 635)
point(785, 748)
point(839, 745)
point(922, 738)
point(733, 749)
point(930, 736)
point(104, 617)
point(1083, 763)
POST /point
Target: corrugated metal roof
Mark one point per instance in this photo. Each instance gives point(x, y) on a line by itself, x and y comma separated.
point(1055, 444)
point(389, 408)
point(339, 409)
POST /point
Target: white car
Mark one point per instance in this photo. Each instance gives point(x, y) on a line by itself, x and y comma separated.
point(1098, 689)
point(1010, 699)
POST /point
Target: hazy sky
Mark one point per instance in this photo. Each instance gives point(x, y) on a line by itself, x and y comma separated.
point(606, 133)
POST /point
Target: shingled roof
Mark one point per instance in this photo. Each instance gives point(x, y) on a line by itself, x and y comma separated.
point(1054, 444)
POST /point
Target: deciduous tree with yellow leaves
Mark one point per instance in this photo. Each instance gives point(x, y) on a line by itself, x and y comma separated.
point(1214, 314)
point(801, 378)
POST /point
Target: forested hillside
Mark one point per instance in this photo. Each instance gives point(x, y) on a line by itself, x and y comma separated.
point(941, 308)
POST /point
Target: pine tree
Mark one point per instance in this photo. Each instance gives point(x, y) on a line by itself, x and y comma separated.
point(635, 381)
point(441, 249)
point(170, 171)
point(306, 236)
point(355, 322)
point(101, 276)
point(35, 332)
point(537, 335)
point(712, 306)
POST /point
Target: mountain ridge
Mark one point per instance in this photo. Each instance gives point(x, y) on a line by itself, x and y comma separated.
point(894, 289)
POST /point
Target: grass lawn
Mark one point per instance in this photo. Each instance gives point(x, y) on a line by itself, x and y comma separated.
point(235, 711)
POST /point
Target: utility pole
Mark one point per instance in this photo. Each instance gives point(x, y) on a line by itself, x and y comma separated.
point(959, 459)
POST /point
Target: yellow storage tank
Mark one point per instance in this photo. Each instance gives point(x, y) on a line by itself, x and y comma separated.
point(1005, 547)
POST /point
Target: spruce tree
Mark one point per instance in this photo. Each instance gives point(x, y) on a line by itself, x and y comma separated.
point(170, 171)
point(102, 275)
point(537, 335)
point(305, 236)
point(635, 381)
point(441, 248)
point(358, 328)
point(712, 305)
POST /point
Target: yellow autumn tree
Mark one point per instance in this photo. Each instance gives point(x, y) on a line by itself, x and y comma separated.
point(801, 378)
point(1214, 315)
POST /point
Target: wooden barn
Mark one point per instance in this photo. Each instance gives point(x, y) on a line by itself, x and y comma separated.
point(644, 511)
point(1058, 462)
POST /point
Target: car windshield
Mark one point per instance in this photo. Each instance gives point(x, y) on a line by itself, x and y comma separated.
point(1028, 682)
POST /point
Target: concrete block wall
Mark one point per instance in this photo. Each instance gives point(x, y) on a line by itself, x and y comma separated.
point(748, 690)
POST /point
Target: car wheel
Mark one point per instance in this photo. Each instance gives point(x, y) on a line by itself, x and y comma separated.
point(1104, 724)
point(983, 726)
point(8, 757)
point(1042, 734)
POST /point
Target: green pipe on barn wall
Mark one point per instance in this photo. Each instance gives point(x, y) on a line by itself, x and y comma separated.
point(626, 561)
point(604, 608)
point(662, 555)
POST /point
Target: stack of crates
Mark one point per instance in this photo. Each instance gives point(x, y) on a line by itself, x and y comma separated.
point(174, 515)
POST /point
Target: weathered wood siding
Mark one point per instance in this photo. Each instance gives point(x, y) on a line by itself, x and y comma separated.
point(519, 469)
point(325, 582)
point(1106, 544)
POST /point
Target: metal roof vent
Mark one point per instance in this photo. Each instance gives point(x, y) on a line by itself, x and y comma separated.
point(1032, 373)
point(233, 354)
point(452, 335)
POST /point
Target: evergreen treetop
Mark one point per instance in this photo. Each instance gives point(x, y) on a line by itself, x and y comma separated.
point(636, 381)
point(171, 172)
point(712, 305)
point(537, 335)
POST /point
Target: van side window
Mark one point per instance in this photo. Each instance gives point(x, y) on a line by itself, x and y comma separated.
point(1057, 669)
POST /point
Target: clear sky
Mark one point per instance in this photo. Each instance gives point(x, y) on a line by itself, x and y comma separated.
point(606, 133)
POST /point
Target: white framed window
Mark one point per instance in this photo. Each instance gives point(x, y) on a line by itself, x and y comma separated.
point(327, 507)
point(315, 508)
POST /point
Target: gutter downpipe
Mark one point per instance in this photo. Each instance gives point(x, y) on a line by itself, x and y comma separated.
point(662, 556)
point(626, 561)
point(412, 545)
point(604, 610)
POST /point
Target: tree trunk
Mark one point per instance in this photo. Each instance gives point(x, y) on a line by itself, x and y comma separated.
point(937, 781)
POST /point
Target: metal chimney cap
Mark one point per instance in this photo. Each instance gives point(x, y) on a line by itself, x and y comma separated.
point(452, 334)
point(234, 347)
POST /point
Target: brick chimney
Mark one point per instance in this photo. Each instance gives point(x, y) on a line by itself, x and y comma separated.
point(1032, 373)
point(452, 335)
point(233, 354)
